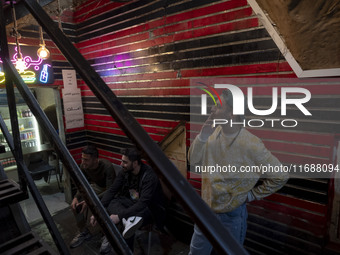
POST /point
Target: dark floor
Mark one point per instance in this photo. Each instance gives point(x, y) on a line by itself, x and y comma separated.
point(160, 243)
point(64, 219)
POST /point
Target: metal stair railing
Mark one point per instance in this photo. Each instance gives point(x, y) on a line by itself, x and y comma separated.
point(76, 174)
point(79, 179)
point(25, 175)
point(14, 142)
point(219, 236)
point(12, 108)
point(19, 238)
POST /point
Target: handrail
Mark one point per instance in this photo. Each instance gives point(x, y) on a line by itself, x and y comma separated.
point(76, 174)
point(218, 235)
point(12, 106)
point(14, 142)
point(79, 179)
point(59, 241)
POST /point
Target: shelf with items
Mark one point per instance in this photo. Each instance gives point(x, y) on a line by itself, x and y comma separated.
point(28, 131)
point(25, 124)
point(8, 163)
point(21, 131)
point(21, 118)
point(28, 127)
point(24, 136)
point(32, 143)
point(27, 136)
point(27, 150)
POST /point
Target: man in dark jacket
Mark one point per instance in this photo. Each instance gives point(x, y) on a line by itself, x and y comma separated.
point(134, 197)
point(100, 174)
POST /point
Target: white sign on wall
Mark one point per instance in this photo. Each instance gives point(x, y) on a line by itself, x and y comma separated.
point(73, 107)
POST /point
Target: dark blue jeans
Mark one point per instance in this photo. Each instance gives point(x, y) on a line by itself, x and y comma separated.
point(235, 221)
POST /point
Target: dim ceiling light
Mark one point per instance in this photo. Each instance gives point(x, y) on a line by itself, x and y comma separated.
point(20, 65)
point(43, 52)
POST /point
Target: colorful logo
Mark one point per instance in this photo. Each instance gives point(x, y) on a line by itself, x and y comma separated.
point(204, 97)
point(241, 103)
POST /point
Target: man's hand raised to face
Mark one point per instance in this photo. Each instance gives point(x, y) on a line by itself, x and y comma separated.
point(207, 128)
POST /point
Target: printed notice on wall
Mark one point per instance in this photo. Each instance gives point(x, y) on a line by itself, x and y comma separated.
point(73, 107)
point(69, 79)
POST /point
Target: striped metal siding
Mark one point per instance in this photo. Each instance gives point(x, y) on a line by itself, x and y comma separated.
point(147, 52)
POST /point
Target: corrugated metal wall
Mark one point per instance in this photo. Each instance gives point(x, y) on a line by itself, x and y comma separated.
point(147, 52)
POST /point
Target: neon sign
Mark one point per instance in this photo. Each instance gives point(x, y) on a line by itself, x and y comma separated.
point(33, 69)
point(44, 73)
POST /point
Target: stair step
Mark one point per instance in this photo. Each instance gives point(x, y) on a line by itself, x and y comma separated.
point(41, 250)
point(27, 243)
point(10, 192)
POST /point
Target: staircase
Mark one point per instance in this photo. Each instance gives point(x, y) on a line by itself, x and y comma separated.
point(16, 235)
point(10, 192)
point(27, 243)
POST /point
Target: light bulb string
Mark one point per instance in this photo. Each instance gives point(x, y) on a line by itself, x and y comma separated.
point(41, 36)
point(42, 52)
point(18, 48)
point(15, 29)
point(14, 19)
point(59, 16)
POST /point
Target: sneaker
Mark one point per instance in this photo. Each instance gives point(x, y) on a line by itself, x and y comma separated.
point(80, 238)
point(105, 247)
point(131, 225)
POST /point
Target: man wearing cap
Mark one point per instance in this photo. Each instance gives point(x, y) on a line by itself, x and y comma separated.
point(226, 192)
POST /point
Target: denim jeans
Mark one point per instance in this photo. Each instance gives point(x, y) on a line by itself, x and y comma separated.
point(235, 221)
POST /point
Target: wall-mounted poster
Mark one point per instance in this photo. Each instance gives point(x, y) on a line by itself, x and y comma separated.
point(33, 70)
point(73, 107)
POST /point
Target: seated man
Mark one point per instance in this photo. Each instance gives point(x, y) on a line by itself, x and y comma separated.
point(134, 197)
point(100, 174)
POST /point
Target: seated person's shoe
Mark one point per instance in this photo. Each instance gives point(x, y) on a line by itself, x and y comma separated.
point(80, 238)
point(105, 247)
point(131, 225)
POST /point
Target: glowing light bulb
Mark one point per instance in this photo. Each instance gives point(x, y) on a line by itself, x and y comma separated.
point(43, 52)
point(20, 65)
